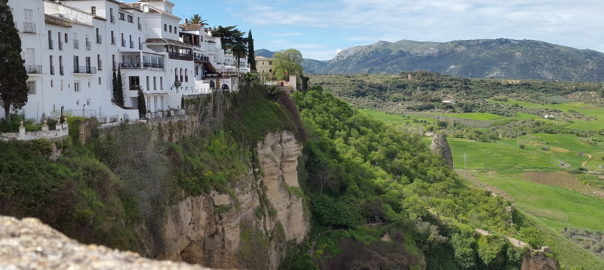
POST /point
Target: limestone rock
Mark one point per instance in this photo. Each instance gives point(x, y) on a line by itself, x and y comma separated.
point(30, 244)
point(440, 147)
point(208, 229)
point(540, 260)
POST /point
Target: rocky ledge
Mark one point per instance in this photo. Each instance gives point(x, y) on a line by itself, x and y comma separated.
point(30, 244)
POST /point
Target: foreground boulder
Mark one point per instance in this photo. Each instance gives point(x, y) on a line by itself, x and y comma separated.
point(30, 244)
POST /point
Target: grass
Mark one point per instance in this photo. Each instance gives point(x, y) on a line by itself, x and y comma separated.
point(477, 116)
point(503, 163)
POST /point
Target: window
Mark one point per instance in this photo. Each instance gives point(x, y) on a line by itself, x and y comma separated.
point(52, 67)
point(76, 64)
point(186, 75)
point(61, 71)
point(49, 39)
point(99, 40)
point(112, 38)
point(52, 83)
point(140, 26)
point(123, 41)
point(130, 19)
point(165, 28)
point(99, 62)
point(111, 18)
point(154, 83)
point(59, 41)
point(76, 86)
point(100, 80)
point(113, 60)
point(66, 38)
point(29, 15)
point(62, 85)
point(31, 85)
point(122, 16)
point(131, 43)
point(30, 56)
point(134, 82)
point(148, 83)
point(170, 28)
point(93, 10)
point(161, 83)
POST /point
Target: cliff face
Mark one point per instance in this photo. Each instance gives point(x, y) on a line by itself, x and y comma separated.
point(540, 260)
point(250, 226)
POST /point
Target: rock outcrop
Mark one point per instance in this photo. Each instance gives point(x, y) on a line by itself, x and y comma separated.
point(30, 244)
point(540, 260)
point(250, 226)
point(440, 147)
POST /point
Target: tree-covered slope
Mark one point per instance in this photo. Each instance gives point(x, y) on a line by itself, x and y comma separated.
point(494, 58)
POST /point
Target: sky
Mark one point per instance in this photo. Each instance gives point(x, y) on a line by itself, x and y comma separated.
point(320, 29)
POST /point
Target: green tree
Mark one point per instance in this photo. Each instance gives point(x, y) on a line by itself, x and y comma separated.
point(251, 54)
point(239, 50)
point(13, 76)
point(142, 104)
point(196, 19)
point(229, 35)
point(118, 88)
point(286, 63)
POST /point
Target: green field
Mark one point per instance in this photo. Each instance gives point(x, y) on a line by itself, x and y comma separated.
point(477, 116)
point(503, 164)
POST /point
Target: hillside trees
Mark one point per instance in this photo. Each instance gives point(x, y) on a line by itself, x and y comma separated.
point(286, 63)
point(13, 76)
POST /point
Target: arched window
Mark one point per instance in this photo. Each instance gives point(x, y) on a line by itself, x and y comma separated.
point(175, 74)
point(212, 85)
point(186, 75)
point(225, 87)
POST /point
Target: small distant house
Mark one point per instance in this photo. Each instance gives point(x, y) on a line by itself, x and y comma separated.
point(264, 65)
point(549, 116)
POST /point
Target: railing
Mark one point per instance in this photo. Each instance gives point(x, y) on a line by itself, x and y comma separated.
point(99, 39)
point(76, 44)
point(153, 65)
point(180, 56)
point(133, 65)
point(33, 69)
point(84, 70)
point(88, 45)
point(201, 58)
point(29, 28)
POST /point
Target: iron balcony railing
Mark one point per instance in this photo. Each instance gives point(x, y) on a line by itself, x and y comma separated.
point(180, 56)
point(84, 70)
point(29, 28)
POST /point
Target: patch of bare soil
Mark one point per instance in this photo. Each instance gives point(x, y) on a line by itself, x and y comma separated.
point(563, 180)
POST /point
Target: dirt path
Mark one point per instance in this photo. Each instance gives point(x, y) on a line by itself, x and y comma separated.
point(589, 157)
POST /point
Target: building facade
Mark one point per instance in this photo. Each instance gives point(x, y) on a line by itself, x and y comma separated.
point(72, 48)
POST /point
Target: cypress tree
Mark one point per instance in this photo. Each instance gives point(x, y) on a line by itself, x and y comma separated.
point(13, 76)
point(142, 104)
point(120, 89)
point(251, 53)
point(114, 84)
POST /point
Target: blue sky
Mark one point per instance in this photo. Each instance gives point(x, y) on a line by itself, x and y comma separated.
point(320, 29)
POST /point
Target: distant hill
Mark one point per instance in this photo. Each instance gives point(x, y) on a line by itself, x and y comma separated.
point(486, 58)
point(264, 53)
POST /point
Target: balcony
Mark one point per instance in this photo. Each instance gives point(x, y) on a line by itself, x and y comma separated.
point(137, 65)
point(76, 44)
point(84, 70)
point(201, 58)
point(88, 45)
point(181, 56)
point(29, 28)
point(153, 65)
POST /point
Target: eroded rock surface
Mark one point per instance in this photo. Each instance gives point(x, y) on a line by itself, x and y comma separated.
point(30, 244)
point(440, 147)
point(249, 227)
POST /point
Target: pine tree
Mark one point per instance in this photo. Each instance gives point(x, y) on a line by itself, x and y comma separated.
point(142, 104)
point(13, 76)
point(251, 53)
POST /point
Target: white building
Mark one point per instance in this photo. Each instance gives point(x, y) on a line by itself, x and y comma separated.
point(72, 47)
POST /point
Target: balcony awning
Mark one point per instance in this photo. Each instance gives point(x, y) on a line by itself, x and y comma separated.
point(165, 41)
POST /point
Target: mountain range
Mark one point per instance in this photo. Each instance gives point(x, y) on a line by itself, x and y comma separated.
point(484, 58)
